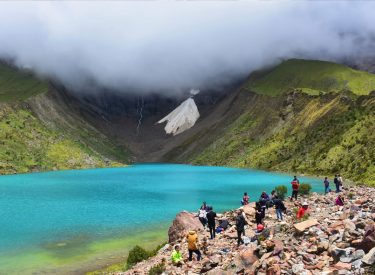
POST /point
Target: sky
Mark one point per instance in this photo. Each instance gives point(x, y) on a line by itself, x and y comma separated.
point(171, 46)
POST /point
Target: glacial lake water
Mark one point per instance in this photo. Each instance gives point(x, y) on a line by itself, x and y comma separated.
point(67, 222)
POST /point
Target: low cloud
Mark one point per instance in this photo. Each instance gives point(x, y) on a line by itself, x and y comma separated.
point(171, 46)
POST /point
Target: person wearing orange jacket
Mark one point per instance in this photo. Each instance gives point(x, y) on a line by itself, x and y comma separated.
point(192, 239)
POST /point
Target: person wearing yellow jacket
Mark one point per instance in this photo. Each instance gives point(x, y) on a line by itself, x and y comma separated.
point(192, 239)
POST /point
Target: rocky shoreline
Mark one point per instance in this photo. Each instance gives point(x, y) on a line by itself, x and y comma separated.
point(333, 240)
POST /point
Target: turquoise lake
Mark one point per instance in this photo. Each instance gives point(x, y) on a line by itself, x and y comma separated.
point(69, 221)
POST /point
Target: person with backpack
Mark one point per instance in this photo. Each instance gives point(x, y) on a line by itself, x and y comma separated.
point(192, 239)
point(240, 226)
point(211, 215)
point(245, 199)
point(341, 181)
point(337, 183)
point(326, 185)
point(295, 188)
point(280, 207)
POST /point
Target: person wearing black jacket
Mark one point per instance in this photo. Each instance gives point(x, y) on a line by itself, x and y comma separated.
point(258, 213)
point(337, 183)
point(211, 215)
point(280, 207)
point(240, 225)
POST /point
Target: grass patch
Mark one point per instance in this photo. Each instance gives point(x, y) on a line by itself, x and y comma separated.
point(18, 85)
point(312, 77)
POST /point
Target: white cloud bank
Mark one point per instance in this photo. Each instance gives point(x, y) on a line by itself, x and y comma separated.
point(175, 45)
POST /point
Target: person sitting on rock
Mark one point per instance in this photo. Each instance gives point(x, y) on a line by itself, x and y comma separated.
point(258, 213)
point(192, 239)
point(339, 200)
point(245, 199)
point(222, 226)
point(204, 245)
point(177, 256)
point(240, 226)
point(303, 210)
point(211, 215)
point(202, 215)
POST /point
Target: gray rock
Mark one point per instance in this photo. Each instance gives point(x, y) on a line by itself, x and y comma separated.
point(369, 258)
point(298, 269)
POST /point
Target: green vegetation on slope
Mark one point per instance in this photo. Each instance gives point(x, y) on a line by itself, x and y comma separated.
point(18, 85)
point(319, 120)
point(27, 145)
point(315, 135)
point(59, 141)
point(311, 77)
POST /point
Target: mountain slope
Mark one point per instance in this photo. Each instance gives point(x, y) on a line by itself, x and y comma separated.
point(38, 132)
point(291, 131)
point(311, 77)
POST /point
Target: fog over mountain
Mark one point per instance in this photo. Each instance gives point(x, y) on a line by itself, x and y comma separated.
point(170, 46)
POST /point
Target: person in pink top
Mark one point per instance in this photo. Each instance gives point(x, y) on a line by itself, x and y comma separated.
point(339, 201)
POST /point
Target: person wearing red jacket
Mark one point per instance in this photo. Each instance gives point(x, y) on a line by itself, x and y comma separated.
point(295, 188)
point(303, 210)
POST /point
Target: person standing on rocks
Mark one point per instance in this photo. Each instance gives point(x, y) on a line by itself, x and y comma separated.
point(280, 207)
point(341, 181)
point(326, 185)
point(204, 206)
point(211, 215)
point(258, 213)
point(337, 183)
point(192, 239)
point(295, 188)
point(203, 217)
point(240, 226)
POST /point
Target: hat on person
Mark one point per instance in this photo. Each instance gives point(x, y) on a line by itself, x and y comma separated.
point(260, 227)
point(305, 203)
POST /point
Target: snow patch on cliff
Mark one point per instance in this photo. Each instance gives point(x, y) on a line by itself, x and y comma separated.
point(182, 118)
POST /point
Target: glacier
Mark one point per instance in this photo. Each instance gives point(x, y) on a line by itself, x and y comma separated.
point(182, 118)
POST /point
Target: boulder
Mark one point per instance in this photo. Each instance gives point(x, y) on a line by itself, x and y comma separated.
point(249, 210)
point(341, 265)
point(349, 225)
point(181, 225)
point(369, 258)
point(248, 256)
point(302, 226)
point(369, 239)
